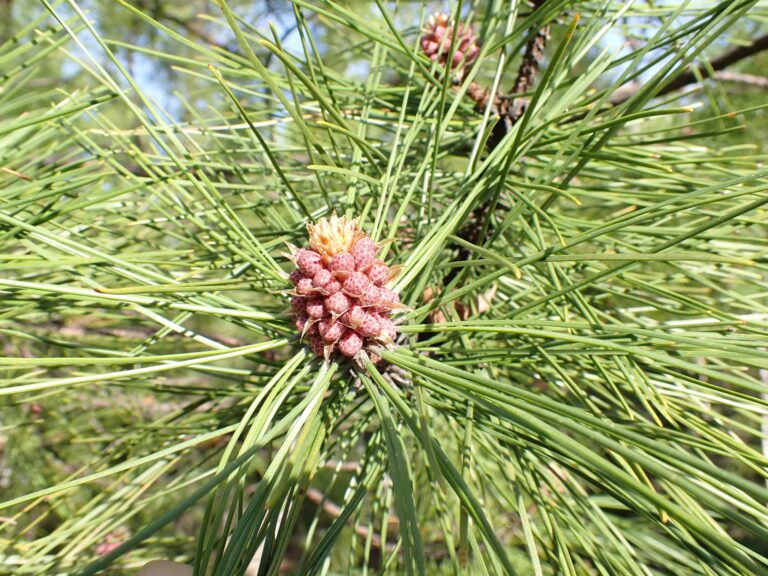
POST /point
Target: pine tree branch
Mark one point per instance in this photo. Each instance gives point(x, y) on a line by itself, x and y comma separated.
point(692, 76)
point(738, 77)
point(509, 109)
point(334, 511)
point(189, 25)
point(526, 75)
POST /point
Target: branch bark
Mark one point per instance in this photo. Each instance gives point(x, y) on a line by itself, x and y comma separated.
point(737, 77)
point(730, 58)
point(509, 109)
point(334, 511)
point(192, 26)
point(526, 75)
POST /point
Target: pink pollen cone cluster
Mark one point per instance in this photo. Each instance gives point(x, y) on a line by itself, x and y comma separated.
point(436, 43)
point(340, 302)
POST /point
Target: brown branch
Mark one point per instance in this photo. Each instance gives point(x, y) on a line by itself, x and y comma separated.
point(334, 511)
point(526, 75)
point(191, 26)
point(509, 110)
point(343, 466)
point(626, 92)
point(738, 77)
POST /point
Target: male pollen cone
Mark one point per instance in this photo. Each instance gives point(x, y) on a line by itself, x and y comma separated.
point(436, 43)
point(340, 302)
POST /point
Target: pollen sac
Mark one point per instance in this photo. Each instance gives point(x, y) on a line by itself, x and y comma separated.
point(338, 303)
point(354, 317)
point(371, 296)
point(350, 344)
point(321, 278)
point(295, 276)
point(332, 287)
point(330, 331)
point(298, 304)
point(388, 300)
point(315, 308)
point(300, 321)
point(356, 284)
point(370, 326)
point(342, 265)
point(317, 345)
point(388, 330)
point(311, 328)
point(364, 253)
point(304, 287)
point(378, 273)
point(308, 261)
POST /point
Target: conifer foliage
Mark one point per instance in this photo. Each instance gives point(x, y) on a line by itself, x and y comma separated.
point(520, 326)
